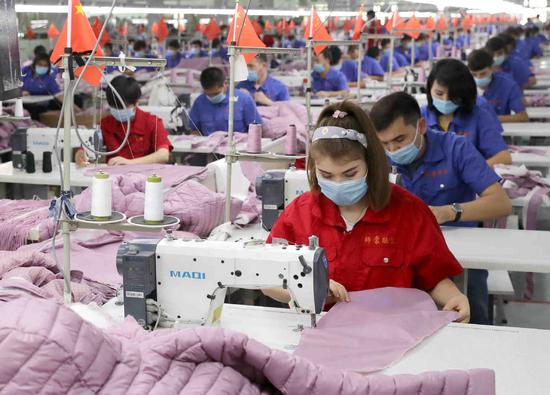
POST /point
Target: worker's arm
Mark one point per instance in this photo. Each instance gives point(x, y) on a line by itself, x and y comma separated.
point(162, 155)
point(493, 203)
point(337, 293)
point(503, 158)
point(532, 81)
point(342, 93)
point(448, 296)
point(518, 117)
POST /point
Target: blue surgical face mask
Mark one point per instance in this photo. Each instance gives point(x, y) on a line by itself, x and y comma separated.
point(139, 54)
point(445, 107)
point(483, 82)
point(407, 154)
point(387, 51)
point(195, 51)
point(337, 67)
point(318, 68)
point(123, 115)
point(344, 193)
point(499, 60)
point(252, 76)
point(216, 99)
point(409, 45)
point(41, 70)
point(171, 52)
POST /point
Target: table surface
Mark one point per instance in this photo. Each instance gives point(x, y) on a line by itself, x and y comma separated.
point(476, 248)
point(532, 159)
point(518, 356)
point(186, 145)
point(538, 112)
point(33, 99)
point(10, 175)
point(527, 129)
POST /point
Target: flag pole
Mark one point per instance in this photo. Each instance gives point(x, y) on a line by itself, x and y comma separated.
point(232, 151)
point(309, 47)
point(359, 59)
point(67, 114)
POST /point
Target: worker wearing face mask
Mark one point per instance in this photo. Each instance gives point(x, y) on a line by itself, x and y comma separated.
point(447, 172)
point(326, 80)
point(498, 88)
point(173, 54)
point(196, 50)
point(210, 112)
point(39, 80)
point(148, 140)
point(265, 89)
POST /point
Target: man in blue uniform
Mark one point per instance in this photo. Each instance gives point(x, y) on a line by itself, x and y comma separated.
point(173, 54)
point(265, 89)
point(210, 112)
point(446, 172)
point(327, 81)
point(499, 89)
point(509, 63)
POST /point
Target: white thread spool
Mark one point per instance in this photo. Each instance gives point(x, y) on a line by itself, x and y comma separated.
point(153, 212)
point(101, 196)
point(19, 108)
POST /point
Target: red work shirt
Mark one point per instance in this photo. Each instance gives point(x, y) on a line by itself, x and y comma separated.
point(147, 135)
point(398, 246)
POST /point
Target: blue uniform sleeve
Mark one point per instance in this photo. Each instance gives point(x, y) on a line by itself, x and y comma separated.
point(376, 68)
point(194, 115)
point(489, 131)
point(521, 72)
point(316, 83)
point(515, 101)
point(53, 87)
point(340, 82)
point(251, 114)
point(472, 167)
point(282, 93)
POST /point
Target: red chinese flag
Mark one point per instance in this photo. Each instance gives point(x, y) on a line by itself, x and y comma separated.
point(359, 24)
point(162, 29)
point(430, 23)
point(181, 27)
point(29, 34)
point(331, 25)
point(290, 27)
point(141, 28)
point(395, 22)
point(441, 23)
point(212, 30)
point(53, 32)
point(316, 30)
point(413, 24)
point(467, 23)
point(257, 27)
point(96, 27)
point(83, 39)
point(348, 25)
point(242, 33)
point(155, 28)
point(268, 25)
point(281, 26)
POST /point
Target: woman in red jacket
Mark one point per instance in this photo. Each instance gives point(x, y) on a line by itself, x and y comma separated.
point(375, 234)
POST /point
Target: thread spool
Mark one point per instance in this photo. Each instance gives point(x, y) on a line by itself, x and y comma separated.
point(101, 197)
point(46, 162)
point(29, 162)
point(19, 108)
point(154, 201)
point(254, 143)
point(291, 142)
point(1, 108)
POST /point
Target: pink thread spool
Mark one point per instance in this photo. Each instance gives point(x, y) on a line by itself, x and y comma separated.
point(254, 144)
point(291, 142)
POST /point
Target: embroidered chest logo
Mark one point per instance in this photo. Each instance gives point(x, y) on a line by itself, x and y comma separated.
point(464, 133)
point(376, 240)
point(436, 173)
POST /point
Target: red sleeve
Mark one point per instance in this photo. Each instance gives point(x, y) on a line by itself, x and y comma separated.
point(162, 134)
point(108, 132)
point(433, 259)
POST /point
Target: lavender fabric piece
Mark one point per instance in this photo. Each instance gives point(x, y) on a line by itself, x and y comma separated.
point(527, 150)
point(52, 350)
point(279, 117)
point(216, 142)
point(374, 330)
point(171, 174)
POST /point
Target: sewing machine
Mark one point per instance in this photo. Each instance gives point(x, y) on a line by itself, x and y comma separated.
point(40, 140)
point(277, 189)
point(186, 280)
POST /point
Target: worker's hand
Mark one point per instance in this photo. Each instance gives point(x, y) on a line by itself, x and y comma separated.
point(461, 305)
point(25, 93)
point(443, 213)
point(118, 160)
point(261, 98)
point(80, 158)
point(337, 293)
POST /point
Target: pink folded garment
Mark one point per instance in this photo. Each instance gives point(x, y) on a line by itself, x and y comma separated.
point(374, 330)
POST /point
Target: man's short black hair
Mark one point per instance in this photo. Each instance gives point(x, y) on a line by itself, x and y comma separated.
point(197, 42)
point(373, 52)
point(480, 59)
point(455, 76)
point(406, 38)
point(495, 44)
point(371, 14)
point(393, 106)
point(40, 49)
point(333, 54)
point(140, 45)
point(212, 77)
point(508, 40)
point(174, 44)
point(384, 42)
point(127, 87)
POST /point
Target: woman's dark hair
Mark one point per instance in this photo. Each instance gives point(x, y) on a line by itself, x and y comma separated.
point(480, 59)
point(373, 52)
point(140, 45)
point(455, 76)
point(42, 57)
point(127, 87)
point(356, 118)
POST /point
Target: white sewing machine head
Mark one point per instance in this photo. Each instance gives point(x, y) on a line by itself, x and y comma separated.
point(188, 279)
